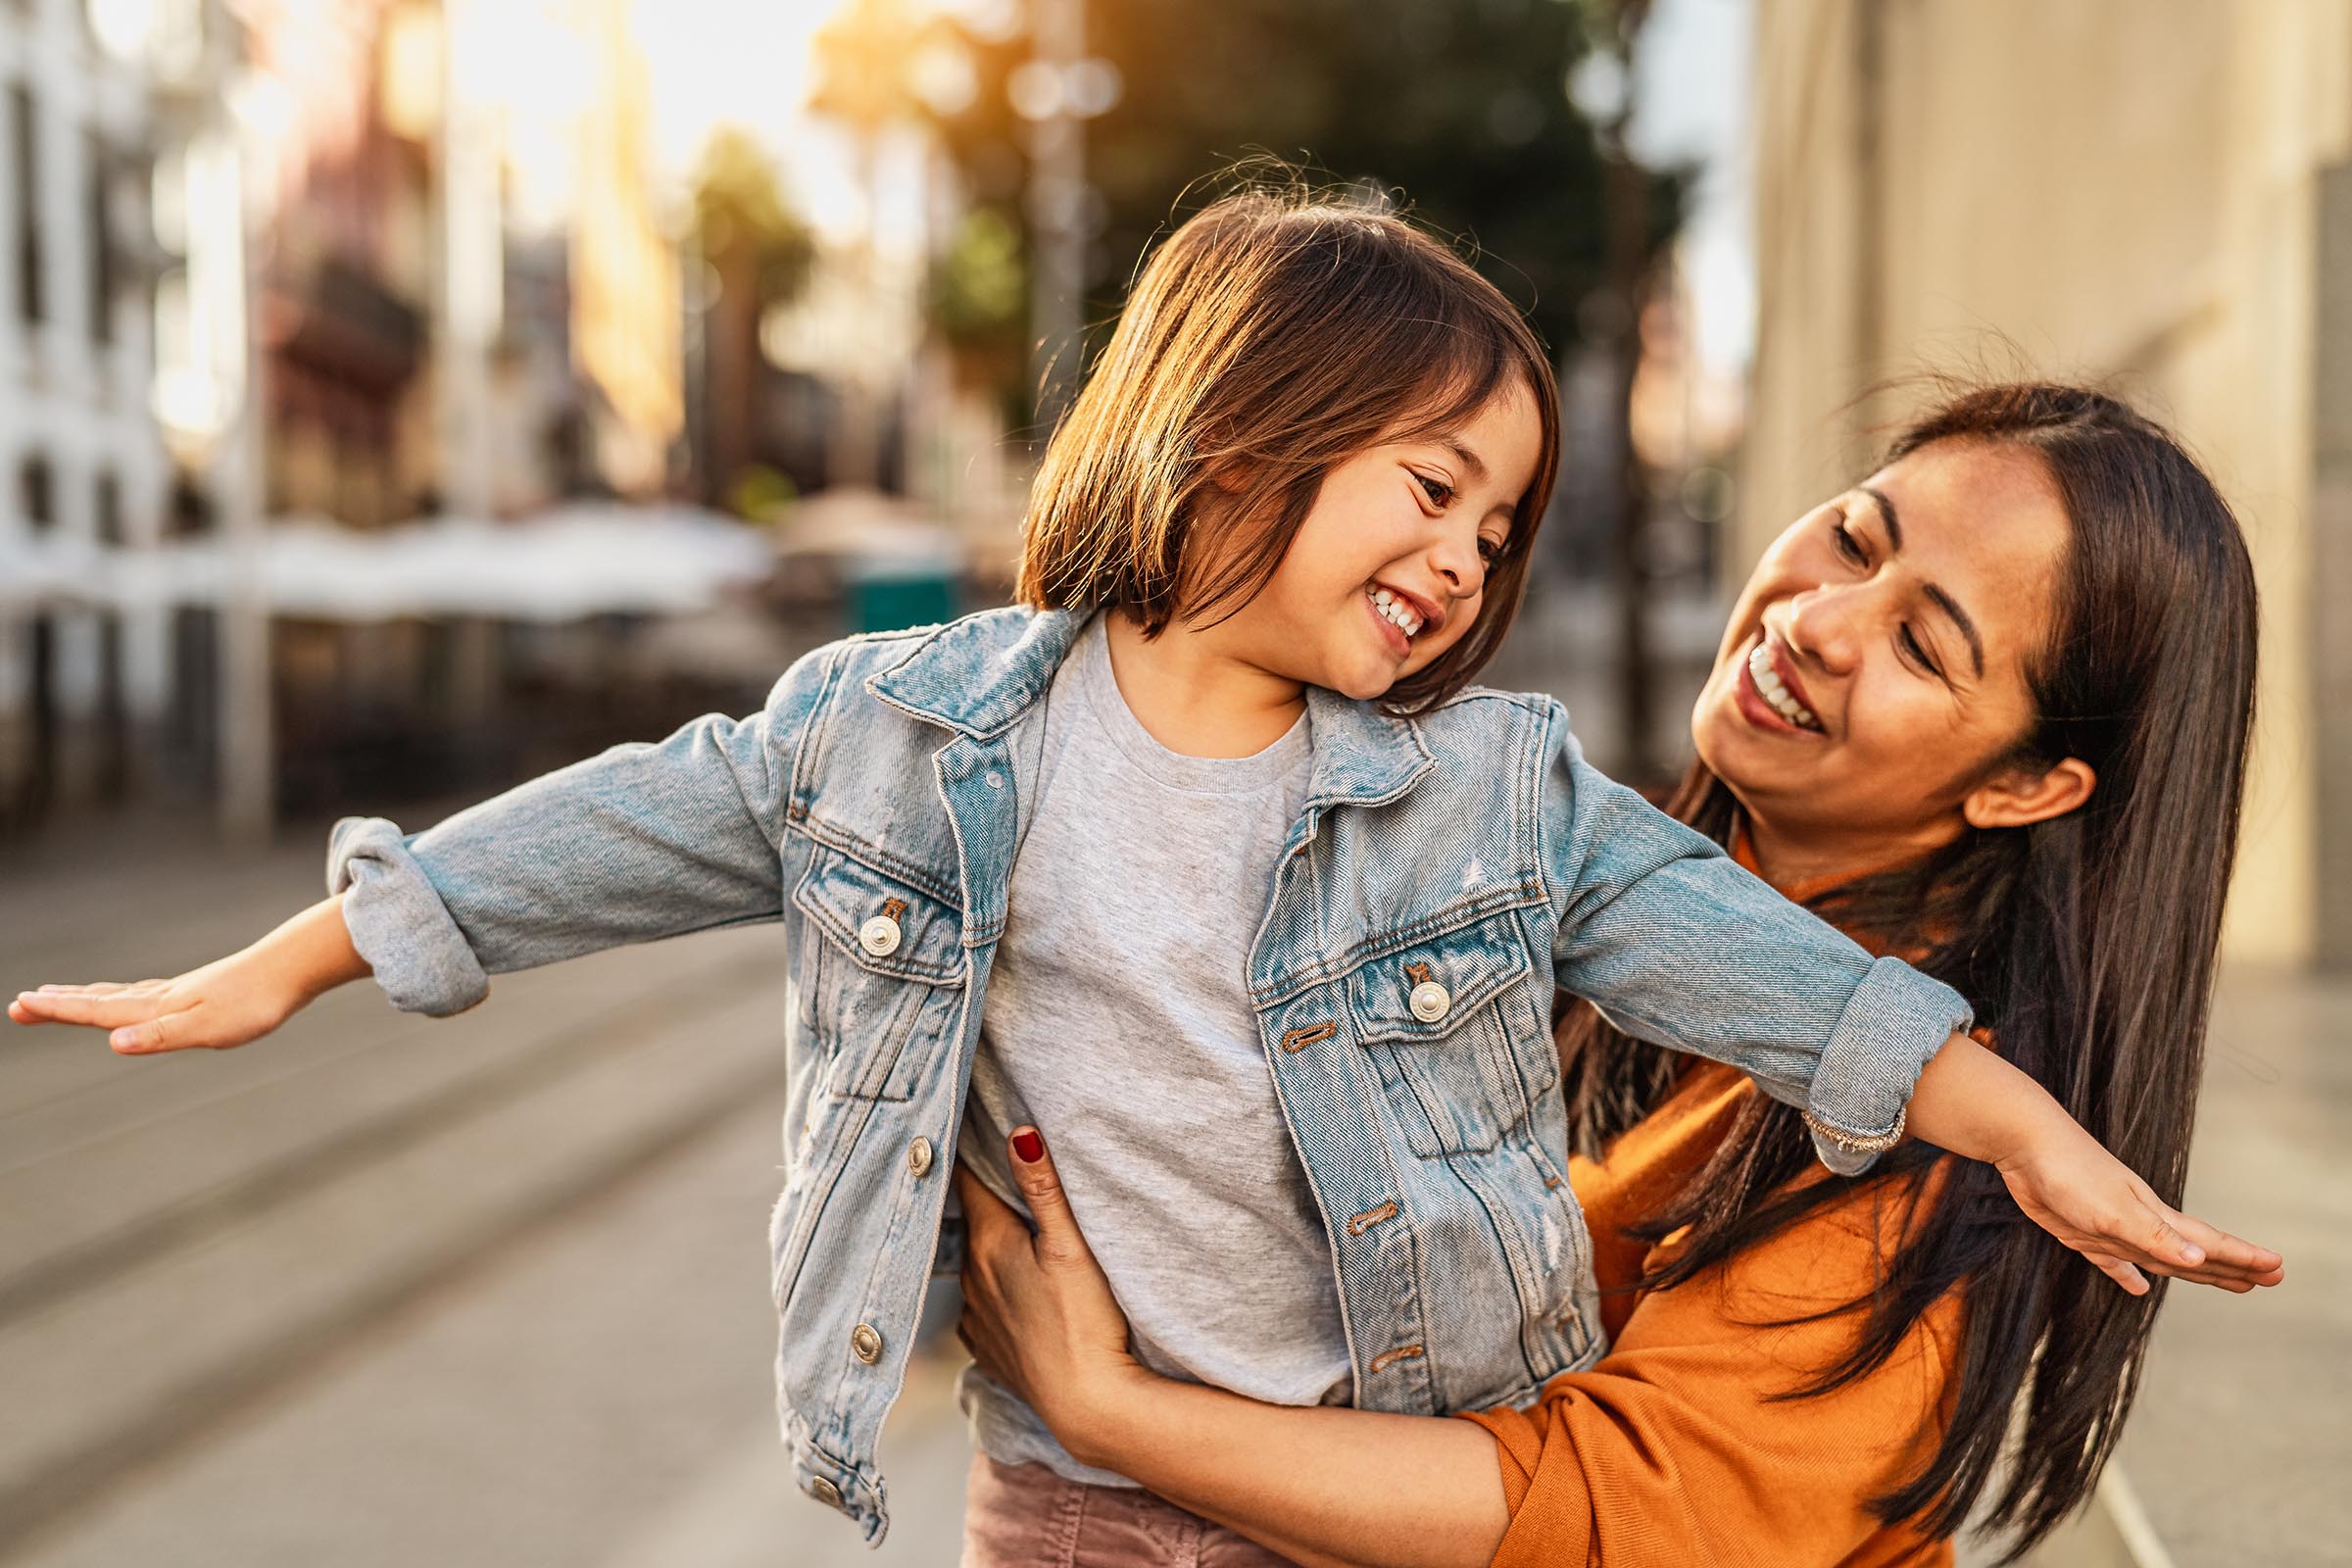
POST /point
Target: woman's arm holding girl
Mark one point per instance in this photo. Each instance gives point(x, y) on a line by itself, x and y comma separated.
point(1672, 1449)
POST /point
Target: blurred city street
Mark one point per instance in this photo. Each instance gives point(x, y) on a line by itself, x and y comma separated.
point(381, 1290)
point(384, 1289)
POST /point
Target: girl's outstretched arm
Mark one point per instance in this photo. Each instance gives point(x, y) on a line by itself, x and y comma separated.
point(1678, 944)
point(643, 841)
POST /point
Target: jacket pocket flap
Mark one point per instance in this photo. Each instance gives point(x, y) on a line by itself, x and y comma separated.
point(1451, 977)
point(880, 923)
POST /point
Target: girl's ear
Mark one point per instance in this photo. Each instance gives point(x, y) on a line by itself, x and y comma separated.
point(2017, 797)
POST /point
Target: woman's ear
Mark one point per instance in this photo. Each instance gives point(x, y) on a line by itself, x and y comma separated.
point(2019, 798)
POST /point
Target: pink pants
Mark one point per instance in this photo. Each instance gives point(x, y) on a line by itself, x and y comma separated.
point(1025, 1516)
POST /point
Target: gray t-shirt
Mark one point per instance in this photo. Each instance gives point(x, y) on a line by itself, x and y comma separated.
point(1118, 1020)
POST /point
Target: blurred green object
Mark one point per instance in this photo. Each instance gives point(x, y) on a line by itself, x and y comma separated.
point(891, 596)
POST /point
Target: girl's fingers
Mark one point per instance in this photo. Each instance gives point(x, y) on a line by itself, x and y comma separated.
point(97, 1011)
point(174, 1031)
point(2224, 1250)
point(2122, 1273)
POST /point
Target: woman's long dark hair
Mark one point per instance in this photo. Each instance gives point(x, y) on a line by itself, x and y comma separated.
point(2086, 942)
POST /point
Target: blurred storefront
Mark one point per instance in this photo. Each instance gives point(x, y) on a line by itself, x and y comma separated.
point(2153, 194)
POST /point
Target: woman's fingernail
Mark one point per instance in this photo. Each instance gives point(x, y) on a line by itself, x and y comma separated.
point(1029, 1146)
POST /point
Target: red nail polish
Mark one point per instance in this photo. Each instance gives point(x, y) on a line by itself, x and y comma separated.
point(1028, 1145)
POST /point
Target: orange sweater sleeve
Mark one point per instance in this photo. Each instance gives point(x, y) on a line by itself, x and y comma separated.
point(1670, 1449)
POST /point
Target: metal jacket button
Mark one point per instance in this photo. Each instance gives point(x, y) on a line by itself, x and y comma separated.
point(879, 936)
point(865, 1343)
point(919, 1156)
point(1430, 1001)
point(825, 1492)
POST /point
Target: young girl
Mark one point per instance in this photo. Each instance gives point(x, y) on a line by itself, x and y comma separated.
point(1208, 857)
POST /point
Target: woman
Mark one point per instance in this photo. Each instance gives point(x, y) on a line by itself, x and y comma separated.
point(1988, 709)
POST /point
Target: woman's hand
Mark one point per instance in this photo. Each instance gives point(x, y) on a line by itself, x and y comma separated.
point(225, 1003)
point(1038, 1313)
point(2069, 1184)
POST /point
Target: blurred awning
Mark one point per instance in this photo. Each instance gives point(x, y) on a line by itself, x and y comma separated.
point(562, 564)
point(865, 531)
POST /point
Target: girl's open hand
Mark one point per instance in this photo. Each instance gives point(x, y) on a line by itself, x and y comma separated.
point(2072, 1187)
point(225, 1003)
point(1038, 1313)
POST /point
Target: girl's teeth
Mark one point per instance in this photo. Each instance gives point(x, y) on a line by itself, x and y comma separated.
point(1392, 611)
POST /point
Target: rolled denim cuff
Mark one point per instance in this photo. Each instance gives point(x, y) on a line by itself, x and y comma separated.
point(1893, 1026)
point(397, 921)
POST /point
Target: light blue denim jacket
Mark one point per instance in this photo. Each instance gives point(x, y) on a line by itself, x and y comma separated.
point(1446, 876)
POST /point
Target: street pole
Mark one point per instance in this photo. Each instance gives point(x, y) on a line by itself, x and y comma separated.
point(1057, 206)
point(469, 303)
point(232, 285)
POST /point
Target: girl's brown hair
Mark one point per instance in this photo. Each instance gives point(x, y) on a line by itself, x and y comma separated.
point(1271, 337)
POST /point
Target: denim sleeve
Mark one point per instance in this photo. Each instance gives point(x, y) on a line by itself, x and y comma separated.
point(1681, 946)
point(646, 841)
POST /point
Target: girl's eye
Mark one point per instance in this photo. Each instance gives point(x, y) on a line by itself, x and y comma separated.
point(1490, 550)
point(1848, 546)
point(1918, 652)
point(1437, 490)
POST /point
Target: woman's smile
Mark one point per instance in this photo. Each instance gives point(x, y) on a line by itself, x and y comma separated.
point(1770, 694)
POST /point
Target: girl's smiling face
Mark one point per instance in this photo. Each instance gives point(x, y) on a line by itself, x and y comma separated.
point(1389, 569)
point(1873, 684)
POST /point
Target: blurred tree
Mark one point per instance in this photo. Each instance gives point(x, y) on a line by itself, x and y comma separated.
point(1462, 105)
point(758, 254)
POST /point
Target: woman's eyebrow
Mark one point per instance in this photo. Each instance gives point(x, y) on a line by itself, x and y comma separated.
point(1944, 600)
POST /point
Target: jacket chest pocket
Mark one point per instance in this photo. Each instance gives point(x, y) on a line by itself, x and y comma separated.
point(1456, 1034)
point(883, 969)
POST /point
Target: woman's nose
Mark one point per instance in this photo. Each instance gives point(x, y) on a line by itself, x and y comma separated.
point(1825, 624)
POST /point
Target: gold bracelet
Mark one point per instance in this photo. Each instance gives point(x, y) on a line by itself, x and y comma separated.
point(1855, 1143)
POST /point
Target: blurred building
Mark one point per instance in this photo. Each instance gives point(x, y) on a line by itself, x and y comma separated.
point(85, 468)
point(2153, 193)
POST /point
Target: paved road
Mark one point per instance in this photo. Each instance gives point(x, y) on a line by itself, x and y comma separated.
point(492, 1289)
point(383, 1290)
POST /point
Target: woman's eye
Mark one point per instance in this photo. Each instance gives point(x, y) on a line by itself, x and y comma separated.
point(1490, 550)
point(1847, 545)
point(1918, 652)
point(1438, 489)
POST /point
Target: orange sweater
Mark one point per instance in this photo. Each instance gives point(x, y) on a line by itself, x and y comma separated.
point(1669, 1449)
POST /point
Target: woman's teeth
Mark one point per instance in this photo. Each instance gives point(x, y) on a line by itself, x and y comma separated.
point(1768, 681)
point(1395, 611)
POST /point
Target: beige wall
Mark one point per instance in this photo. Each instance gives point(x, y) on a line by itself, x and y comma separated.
point(2117, 189)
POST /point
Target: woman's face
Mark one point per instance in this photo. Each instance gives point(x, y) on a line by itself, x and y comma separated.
point(1873, 679)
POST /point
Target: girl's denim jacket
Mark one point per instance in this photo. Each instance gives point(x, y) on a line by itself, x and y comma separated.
point(1449, 875)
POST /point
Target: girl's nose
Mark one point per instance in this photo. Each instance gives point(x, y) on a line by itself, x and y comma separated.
point(1458, 562)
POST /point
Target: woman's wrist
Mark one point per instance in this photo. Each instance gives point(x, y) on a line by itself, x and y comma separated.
point(1098, 1414)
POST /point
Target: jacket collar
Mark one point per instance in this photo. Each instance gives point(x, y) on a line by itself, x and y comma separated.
point(978, 675)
